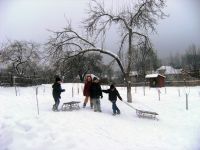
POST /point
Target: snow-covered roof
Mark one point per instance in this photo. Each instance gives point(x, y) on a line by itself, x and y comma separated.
point(133, 73)
point(169, 70)
point(155, 75)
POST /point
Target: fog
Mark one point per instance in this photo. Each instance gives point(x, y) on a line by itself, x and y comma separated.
point(30, 19)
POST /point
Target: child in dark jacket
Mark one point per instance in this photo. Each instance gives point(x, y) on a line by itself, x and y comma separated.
point(56, 93)
point(112, 96)
point(96, 94)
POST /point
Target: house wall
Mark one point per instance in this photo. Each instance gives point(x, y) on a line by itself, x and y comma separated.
point(160, 81)
point(157, 82)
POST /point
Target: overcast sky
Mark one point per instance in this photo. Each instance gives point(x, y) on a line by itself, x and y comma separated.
point(30, 19)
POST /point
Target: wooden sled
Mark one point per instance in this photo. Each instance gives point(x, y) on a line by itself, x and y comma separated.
point(146, 114)
point(69, 106)
point(143, 113)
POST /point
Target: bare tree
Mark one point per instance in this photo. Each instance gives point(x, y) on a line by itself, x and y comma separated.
point(79, 66)
point(175, 60)
point(143, 59)
point(21, 55)
point(134, 22)
point(191, 60)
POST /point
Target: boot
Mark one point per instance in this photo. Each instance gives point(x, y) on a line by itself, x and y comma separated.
point(84, 105)
point(91, 106)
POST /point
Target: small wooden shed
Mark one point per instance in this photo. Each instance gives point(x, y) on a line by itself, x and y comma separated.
point(156, 80)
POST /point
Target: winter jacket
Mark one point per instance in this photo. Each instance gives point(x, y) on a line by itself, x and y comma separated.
point(95, 90)
point(112, 94)
point(57, 90)
point(86, 90)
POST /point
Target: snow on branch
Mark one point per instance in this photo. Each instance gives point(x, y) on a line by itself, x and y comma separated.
point(113, 55)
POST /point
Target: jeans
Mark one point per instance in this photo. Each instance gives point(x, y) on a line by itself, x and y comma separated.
point(97, 104)
point(57, 102)
point(115, 108)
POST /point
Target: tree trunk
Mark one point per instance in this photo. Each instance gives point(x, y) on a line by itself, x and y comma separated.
point(128, 80)
point(129, 95)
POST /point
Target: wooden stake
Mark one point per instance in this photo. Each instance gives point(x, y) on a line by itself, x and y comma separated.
point(36, 93)
point(159, 94)
point(186, 101)
point(72, 92)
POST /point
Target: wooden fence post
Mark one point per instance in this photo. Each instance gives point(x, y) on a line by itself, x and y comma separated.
point(186, 101)
point(14, 83)
point(36, 93)
point(159, 94)
point(72, 91)
point(179, 93)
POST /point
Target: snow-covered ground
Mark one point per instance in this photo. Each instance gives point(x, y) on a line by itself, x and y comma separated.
point(21, 128)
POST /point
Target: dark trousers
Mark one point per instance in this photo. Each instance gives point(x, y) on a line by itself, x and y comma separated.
point(115, 108)
point(57, 102)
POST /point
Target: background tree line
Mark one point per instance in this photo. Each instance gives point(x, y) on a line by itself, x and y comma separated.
point(188, 61)
point(28, 59)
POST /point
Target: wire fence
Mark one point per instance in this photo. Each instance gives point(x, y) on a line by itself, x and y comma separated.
point(167, 83)
point(9, 80)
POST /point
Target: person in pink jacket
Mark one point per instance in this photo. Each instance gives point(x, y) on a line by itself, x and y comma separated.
point(86, 91)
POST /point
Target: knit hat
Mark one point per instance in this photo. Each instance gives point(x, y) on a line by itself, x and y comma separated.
point(112, 86)
point(58, 79)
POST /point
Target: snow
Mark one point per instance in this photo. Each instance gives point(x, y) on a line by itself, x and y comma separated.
point(22, 128)
point(169, 70)
point(153, 75)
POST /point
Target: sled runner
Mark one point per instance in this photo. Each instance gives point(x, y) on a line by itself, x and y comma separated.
point(69, 106)
point(144, 113)
point(147, 114)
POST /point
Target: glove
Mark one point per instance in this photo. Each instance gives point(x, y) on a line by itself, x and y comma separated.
point(63, 90)
point(121, 99)
point(101, 97)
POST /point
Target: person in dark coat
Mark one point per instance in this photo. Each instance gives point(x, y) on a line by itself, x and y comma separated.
point(112, 96)
point(86, 91)
point(96, 94)
point(56, 92)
